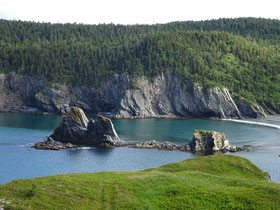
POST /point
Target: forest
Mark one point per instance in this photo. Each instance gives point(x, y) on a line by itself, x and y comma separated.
point(241, 54)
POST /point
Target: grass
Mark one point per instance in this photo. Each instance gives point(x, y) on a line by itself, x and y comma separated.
point(209, 182)
point(207, 131)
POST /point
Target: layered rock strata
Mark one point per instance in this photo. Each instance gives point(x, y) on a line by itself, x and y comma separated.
point(166, 96)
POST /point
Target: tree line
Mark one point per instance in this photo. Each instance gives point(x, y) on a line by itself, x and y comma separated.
point(241, 54)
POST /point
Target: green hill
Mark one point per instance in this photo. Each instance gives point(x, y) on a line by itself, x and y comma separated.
point(241, 54)
point(209, 182)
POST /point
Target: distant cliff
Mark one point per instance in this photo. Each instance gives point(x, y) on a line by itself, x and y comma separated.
point(123, 96)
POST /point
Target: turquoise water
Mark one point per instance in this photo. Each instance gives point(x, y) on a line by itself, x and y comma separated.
point(18, 132)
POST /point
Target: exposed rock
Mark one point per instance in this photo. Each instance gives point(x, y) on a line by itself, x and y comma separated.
point(252, 111)
point(211, 141)
point(166, 96)
point(156, 145)
point(202, 141)
point(76, 128)
point(268, 177)
point(102, 130)
point(50, 144)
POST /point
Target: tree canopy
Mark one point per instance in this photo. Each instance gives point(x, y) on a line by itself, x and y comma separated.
point(242, 54)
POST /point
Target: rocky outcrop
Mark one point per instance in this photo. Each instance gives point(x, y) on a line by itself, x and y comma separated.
point(169, 96)
point(202, 141)
point(17, 92)
point(251, 111)
point(50, 144)
point(210, 141)
point(123, 96)
point(157, 145)
point(77, 129)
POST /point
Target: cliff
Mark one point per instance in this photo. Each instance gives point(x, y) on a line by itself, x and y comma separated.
point(123, 96)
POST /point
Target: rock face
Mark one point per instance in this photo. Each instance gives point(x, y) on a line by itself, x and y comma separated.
point(77, 129)
point(210, 141)
point(250, 110)
point(123, 96)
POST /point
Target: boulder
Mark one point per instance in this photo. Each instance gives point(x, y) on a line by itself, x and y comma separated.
point(210, 141)
point(50, 144)
point(76, 128)
point(156, 145)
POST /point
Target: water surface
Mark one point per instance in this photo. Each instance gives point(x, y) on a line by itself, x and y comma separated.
point(18, 132)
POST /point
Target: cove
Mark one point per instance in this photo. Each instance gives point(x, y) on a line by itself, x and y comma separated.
point(18, 132)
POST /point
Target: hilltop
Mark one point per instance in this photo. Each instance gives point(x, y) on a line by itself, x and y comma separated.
point(212, 182)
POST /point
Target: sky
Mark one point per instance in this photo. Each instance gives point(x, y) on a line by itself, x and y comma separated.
point(134, 11)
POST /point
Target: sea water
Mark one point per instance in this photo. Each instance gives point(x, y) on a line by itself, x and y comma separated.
point(18, 132)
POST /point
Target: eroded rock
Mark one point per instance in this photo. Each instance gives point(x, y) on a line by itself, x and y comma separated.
point(211, 141)
point(77, 129)
point(168, 95)
point(157, 145)
point(50, 144)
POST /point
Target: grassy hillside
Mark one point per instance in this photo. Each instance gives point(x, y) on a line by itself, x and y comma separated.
point(210, 182)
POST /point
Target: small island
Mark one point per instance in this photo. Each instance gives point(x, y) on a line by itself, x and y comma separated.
point(75, 129)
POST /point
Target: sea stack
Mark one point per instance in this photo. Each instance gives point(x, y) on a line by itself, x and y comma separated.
point(77, 129)
point(210, 141)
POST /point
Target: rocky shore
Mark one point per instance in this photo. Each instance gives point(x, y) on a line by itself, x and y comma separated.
point(75, 129)
point(50, 144)
point(201, 141)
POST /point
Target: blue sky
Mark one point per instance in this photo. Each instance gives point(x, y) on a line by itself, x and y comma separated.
point(134, 12)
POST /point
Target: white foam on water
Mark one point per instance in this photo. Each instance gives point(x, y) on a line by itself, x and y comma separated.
point(84, 148)
point(255, 123)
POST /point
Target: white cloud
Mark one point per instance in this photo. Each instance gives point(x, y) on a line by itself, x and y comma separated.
point(131, 12)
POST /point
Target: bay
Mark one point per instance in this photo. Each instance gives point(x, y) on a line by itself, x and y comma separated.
point(18, 132)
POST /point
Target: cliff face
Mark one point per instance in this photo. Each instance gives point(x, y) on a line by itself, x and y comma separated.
point(124, 96)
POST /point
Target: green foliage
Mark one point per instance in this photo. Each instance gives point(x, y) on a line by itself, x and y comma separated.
point(207, 131)
point(210, 182)
point(32, 191)
point(241, 54)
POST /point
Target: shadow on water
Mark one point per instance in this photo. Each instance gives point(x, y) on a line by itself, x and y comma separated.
point(102, 151)
point(205, 153)
point(40, 122)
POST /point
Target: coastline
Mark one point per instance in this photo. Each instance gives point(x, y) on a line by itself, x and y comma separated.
point(272, 121)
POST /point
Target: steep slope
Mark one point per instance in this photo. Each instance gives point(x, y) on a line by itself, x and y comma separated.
point(68, 54)
point(210, 182)
point(124, 96)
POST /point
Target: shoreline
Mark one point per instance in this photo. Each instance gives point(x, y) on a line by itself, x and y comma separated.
point(163, 117)
point(265, 122)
